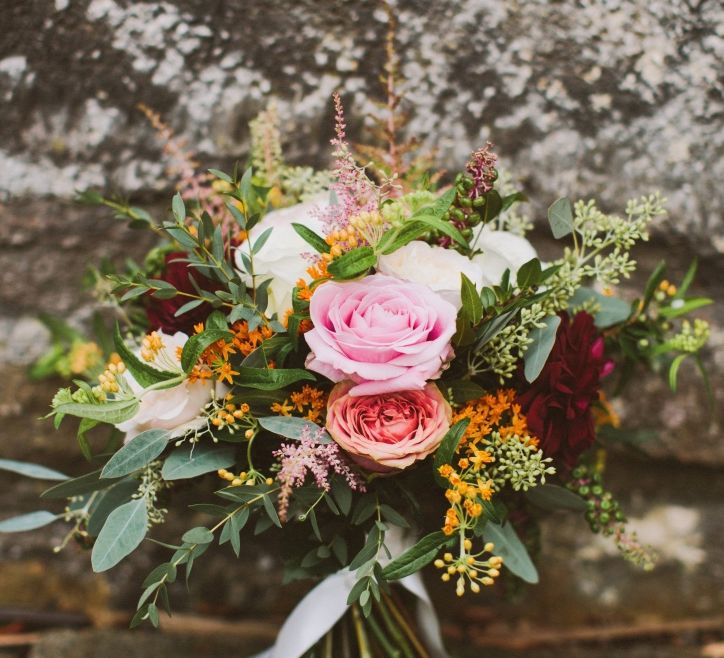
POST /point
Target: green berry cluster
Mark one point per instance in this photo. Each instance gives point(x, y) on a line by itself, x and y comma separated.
point(603, 512)
point(465, 212)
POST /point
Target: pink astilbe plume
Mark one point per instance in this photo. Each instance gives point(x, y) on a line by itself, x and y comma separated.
point(353, 189)
point(482, 169)
point(308, 455)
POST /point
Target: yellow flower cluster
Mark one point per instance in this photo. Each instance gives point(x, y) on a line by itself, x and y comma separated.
point(470, 566)
point(229, 415)
point(151, 345)
point(107, 379)
point(248, 479)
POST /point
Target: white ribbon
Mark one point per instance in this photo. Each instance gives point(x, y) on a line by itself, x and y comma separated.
point(325, 605)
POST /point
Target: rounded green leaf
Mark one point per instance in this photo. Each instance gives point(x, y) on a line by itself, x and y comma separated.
point(511, 549)
point(199, 535)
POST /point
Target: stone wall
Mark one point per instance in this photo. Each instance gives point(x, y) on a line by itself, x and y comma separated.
point(581, 98)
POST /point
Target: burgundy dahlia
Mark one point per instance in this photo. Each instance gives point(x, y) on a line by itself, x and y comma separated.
point(161, 312)
point(558, 405)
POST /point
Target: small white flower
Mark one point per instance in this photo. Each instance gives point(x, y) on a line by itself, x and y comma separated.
point(435, 267)
point(178, 409)
point(281, 258)
point(501, 250)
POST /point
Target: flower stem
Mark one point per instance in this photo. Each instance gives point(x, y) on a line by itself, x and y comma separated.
point(404, 624)
point(362, 641)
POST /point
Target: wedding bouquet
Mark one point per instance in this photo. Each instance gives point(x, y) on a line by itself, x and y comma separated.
point(372, 361)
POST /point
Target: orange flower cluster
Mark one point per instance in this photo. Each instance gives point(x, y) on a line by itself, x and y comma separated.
point(215, 359)
point(497, 411)
point(307, 403)
point(468, 486)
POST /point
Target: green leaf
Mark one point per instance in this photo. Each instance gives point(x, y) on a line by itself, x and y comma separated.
point(188, 306)
point(677, 309)
point(199, 535)
point(463, 390)
point(292, 427)
point(108, 412)
point(612, 310)
point(116, 496)
point(353, 263)
point(85, 425)
point(31, 470)
point(197, 345)
point(437, 224)
point(688, 279)
point(416, 557)
point(539, 350)
point(270, 380)
point(511, 549)
point(529, 274)
point(393, 516)
point(143, 373)
point(77, 486)
point(472, 306)
point(178, 208)
point(674, 370)
point(510, 199)
point(492, 327)
point(28, 521)
point(137, 453)
point(657, 276)
point(560, 217)
point(493, 206)
point(122, 532)
point(271, 511)
point(220, 174)
point(553, 497)
point(446, 450)
point(190, 461)
point(311, 238)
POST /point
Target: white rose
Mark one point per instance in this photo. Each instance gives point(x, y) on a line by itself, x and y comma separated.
point(178, 409)
point(281, 259)
point(435, 267)
point(501, 250)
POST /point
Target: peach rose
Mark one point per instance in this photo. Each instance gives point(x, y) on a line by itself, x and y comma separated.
point(384, 433)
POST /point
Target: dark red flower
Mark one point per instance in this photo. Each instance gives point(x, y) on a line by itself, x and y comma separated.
point(558, 404)
point(161, 312)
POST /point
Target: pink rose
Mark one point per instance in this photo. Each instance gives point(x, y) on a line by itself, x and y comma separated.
point(382, 333)
point(383, 433)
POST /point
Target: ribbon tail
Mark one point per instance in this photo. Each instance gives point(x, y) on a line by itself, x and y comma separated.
point(313, 616)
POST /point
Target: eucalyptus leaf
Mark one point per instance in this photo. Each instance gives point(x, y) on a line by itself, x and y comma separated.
point(137, 453)
point(551, 496)
point(292, 427)
point(77, 486)
point(511, 549)
point(560, 217)
point(121, 534)
point(30, 521)
point(539, 350)
point(116, 496)
point(190, 461)
point(31, 470)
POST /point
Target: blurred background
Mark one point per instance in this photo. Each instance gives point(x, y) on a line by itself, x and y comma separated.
point(582, 99)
